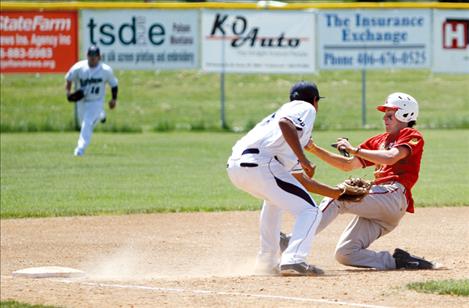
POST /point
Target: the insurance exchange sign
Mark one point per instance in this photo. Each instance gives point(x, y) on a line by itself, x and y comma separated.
point(374, 39)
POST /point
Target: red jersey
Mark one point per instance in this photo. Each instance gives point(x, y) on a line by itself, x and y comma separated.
point(405, 171)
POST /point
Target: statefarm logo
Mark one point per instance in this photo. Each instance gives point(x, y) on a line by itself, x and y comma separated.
point(236, 29)
point(455, 33)
point(36, 23)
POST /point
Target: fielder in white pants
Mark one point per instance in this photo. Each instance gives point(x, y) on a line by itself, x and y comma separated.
point(268, 163)
point(90, 76)
point(280, 192)
point(89, 115)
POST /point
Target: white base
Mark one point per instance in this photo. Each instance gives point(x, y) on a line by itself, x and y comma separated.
point(48, 272)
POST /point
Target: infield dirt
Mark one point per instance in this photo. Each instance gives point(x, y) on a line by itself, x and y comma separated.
point(207, 259)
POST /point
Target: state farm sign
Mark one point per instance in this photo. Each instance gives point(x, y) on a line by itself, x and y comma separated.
point(38, 41)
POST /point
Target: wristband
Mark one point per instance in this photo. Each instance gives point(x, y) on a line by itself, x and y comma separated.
point(114, 92)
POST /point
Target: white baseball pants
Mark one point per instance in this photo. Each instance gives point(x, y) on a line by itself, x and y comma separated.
point(88, 116)
point(280, 192)
point(377, 214)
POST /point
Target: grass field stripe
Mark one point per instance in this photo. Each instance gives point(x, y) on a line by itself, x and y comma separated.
point(208, 292)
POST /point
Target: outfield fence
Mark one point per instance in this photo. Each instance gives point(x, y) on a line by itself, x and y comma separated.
point(238, 38)
point(258, 37)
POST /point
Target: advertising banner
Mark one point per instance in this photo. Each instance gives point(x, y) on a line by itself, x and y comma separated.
point(355, 39)
point(451, 41)
point(143, 39)
point(38, 42)
point(258, 41)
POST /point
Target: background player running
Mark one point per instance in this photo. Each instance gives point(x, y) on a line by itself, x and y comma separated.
point(91, 77)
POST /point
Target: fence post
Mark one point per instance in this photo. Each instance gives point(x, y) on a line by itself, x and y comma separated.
point(222, 84)
point(363, 97)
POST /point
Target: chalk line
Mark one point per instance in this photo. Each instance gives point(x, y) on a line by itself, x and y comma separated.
point(209, 292)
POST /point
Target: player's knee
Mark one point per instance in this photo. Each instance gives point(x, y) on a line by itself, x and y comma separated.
point(343, 256)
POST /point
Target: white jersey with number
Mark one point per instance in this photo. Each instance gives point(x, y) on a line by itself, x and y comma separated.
point(92, 80)
point(267, 136)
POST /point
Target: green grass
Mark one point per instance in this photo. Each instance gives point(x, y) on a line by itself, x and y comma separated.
point(178, 171)
point(189, 100)
point(449, 287)
point(15, 304)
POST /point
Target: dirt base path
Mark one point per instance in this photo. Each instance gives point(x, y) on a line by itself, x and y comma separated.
point(206, 259)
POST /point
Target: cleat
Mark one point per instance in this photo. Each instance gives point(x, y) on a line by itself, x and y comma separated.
point(78, 152)
point(407, 261)
point(102, 117)
point(300, 269)
point(284, 240)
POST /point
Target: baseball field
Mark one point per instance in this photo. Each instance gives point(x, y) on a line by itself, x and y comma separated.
point(151, 218)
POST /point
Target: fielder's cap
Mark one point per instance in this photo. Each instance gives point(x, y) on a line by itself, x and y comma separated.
point(93, 50)
point(304, 91)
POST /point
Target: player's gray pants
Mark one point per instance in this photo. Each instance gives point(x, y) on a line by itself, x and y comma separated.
point(280, 192)
point(377, 214)
point(88, 116)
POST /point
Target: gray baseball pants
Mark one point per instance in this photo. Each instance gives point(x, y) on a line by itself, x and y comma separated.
point(376, 215)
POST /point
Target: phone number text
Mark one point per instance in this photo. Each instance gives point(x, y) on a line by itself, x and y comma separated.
point(26, 53)
point(376, 59)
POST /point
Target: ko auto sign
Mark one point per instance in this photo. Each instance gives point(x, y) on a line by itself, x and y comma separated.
point(374, 39)
point(257, 41)
point(143, 39)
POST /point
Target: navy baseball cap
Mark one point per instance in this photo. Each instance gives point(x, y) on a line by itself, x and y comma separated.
point(304, 91)
point(93, 50)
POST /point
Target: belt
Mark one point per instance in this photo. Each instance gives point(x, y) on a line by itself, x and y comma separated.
point(251, 151)
point(249, 165)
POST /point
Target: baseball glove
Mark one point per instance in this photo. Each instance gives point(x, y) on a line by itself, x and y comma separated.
point(76, 96)
point(354, 189)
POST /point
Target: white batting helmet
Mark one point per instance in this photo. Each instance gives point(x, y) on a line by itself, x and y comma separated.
point(407, 108)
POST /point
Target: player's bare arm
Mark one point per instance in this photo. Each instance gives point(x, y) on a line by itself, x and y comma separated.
point(316, 187)
point(381, 157)
point(291, 137)
point(333, 159)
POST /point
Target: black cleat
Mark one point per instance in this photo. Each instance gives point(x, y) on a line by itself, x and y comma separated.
point(407, 261)
point(284, 241)
point(102, 116)
point(300, 269)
